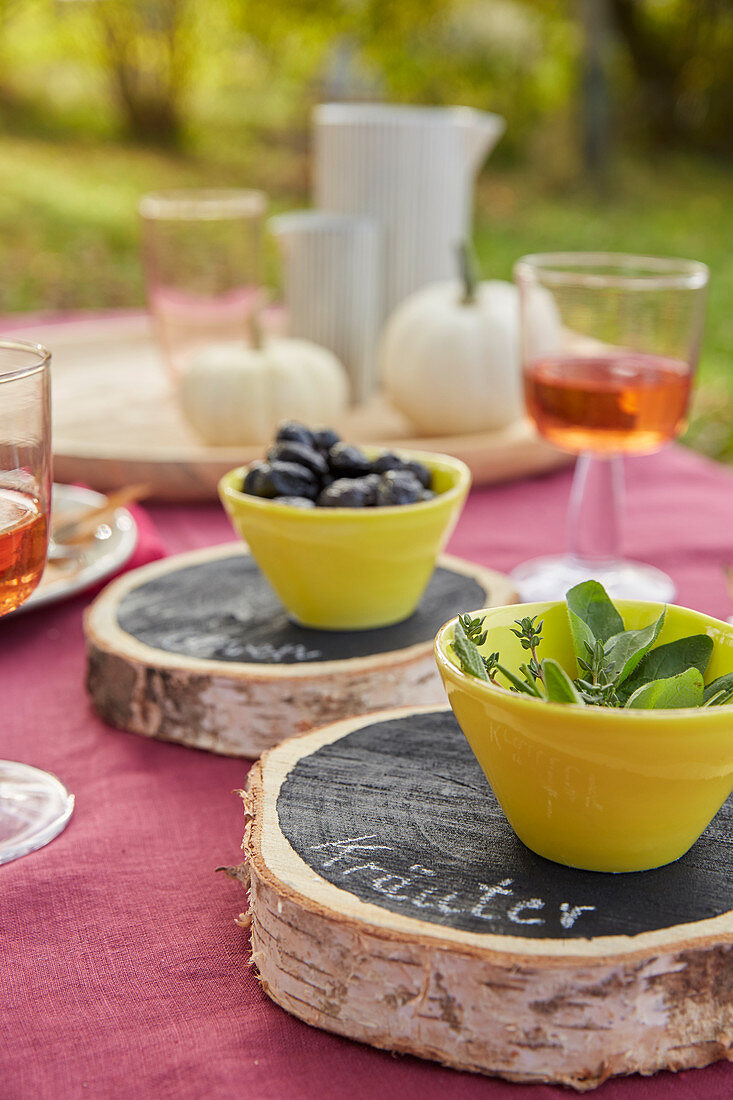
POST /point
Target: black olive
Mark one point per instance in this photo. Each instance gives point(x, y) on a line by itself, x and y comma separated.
point(288, 479)
point(326, 438)
point(292, 431)
point(257, 481)
point(290, 451)
point(391, 461)
point(364, 490)
point(345, 460)
point(297, 502)
point(371, 483)
point(398, 487)
point(422, 473)
point(347, 492)
point(387, 461)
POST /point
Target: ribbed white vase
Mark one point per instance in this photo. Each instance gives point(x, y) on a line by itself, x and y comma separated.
point(332, 276)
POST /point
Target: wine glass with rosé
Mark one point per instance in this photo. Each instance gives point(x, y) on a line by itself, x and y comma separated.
point(34, 806)
point(610, 343)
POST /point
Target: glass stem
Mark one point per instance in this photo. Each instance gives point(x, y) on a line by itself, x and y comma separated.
point(596, 507)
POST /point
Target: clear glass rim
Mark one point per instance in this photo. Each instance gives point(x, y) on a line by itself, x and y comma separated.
point(202, 204)
point(41, 357)
point(620, 270)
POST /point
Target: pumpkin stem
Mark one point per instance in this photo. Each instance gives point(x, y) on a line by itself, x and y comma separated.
point(469, 272)
point(254, 325)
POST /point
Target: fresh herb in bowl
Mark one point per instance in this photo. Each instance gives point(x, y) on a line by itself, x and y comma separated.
point(630, 774)
point(616, 667)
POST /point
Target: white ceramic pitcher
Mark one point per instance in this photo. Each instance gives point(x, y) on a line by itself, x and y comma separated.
point(410, 168)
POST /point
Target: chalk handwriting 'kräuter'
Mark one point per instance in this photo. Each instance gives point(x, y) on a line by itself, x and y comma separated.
point(357, 859)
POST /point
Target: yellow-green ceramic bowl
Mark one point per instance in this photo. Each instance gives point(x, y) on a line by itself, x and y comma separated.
point(350, 568)
point(597, 788)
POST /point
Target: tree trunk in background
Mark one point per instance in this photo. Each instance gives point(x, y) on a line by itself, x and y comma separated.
point(146, 43)
point(595, 114)
point(653, 62)
point(682, 62)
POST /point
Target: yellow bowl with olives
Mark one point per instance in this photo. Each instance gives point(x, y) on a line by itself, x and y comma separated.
point(347, 567)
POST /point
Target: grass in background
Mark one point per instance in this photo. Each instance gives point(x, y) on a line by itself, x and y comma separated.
point(69, 234)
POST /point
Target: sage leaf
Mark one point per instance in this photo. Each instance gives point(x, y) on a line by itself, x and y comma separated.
point(668, 660)
point(591, 603)
point(723, 683)
point(560, 688)
point(683, 690)
point(583, 637)
point(467, 653)
point(626, 650)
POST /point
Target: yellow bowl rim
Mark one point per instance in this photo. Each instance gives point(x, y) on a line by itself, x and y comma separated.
point(433, 459)
point(573, 712)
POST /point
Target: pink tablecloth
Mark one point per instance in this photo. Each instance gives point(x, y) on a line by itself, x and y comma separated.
point(122, 972)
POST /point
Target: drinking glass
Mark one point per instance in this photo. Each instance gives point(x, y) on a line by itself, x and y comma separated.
point(202, 258)
point(34, 806)
point(610, 343)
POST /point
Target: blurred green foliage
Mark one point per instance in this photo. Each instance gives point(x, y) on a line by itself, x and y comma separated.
point(157, 69)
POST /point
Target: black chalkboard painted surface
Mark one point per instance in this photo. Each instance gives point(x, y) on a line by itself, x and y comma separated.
point(198, 649)
point(390, 901)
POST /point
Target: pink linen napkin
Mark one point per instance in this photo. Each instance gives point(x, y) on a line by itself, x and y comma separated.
point(150, 545)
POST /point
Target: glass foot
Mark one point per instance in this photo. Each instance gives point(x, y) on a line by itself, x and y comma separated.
point(34, 807)
point(550, 579)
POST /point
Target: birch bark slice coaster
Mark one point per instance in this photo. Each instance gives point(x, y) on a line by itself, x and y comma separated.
point(197, 649)
point(391, 902)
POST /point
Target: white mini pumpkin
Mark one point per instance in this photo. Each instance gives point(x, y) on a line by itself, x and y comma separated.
point(235, 394)
point(450, 356)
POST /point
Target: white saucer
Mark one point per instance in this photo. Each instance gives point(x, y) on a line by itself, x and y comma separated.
point(100, 556)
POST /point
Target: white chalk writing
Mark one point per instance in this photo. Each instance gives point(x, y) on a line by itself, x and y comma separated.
point(488, 893)
point(570, 913)
point(443, 907)
point(533, 903)
point(271, 654)
point(346, 848)
point(391, 884)
point(352, 855)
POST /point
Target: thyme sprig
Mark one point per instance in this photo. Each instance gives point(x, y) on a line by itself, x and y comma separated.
point(469, 634)
point(597, 688)
point(530, 636)
point(475, 634)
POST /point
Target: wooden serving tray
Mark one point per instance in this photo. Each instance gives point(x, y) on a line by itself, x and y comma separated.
point(391, 902)
point(117, 421)
point(198, 649)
